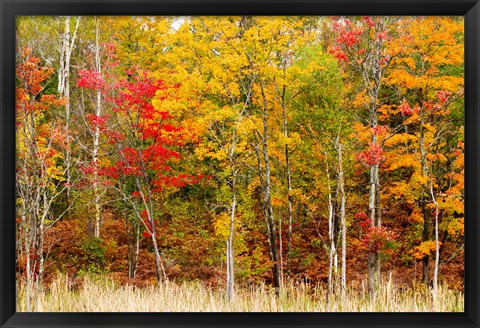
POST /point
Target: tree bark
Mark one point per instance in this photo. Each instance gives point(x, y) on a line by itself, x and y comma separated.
point(331, 233)
point(160, 269)
point(424, 199)
point(96, 136)
point(372, 256)
point(267, 195)
point(64, 90)
point(289, 186)
point(372, 71)
point(437, 248)
point(132, 233)
point(230, 263)
point(233, 206)
point(343, 222)
point(332, 249)
point(265, 214)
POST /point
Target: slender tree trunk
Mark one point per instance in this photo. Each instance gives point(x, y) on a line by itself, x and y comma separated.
point(373, 260)
point(233, 207)
point(378, 214)
point(240, 112)
point(160, 269)
point(64, 90)
point(372, 256)
point(29, 195)
point(424, 199)
point(290, 214)
point(39, 278)
point(131, 233)
point(265, 213)
point(148, 206)
point(63, 51)
point(41, 259)
point(230, 263)
point(96, 136)
point(267, 194)
point(425, 237)
point(342, 219)
point(289, 186)
point(280, 248)
point(331, 233)
point(131, 246)
point(372, 80)
point(437, 248)
point(332, 248)
point(374, 210)
point(137, 249)
point(26, 193)
point(335, 268)
point(28, 269)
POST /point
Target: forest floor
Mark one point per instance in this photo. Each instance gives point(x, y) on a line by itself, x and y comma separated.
point(98, 294)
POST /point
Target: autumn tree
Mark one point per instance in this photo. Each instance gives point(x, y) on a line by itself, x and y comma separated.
point(427, 76)
point(293, 36)
point(67, 46)
point(143, 138)
point(53, 39)
point(321, 157)
point(227, 81)
point(40, 174)
point(360, 46)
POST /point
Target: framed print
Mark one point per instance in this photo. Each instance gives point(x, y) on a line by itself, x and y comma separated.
point(260, 163)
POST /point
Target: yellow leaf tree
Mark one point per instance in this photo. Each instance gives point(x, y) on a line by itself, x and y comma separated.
point(426, 76)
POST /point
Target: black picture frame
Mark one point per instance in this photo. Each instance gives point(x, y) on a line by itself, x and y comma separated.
point(9, 9)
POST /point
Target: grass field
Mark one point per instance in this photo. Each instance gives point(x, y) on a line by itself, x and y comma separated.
point(103, 295)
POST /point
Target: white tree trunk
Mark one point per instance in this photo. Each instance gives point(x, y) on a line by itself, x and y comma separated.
point(64, 90)
point(96, 136)
point(230, 257)
point(331, 236)
point(342, 219)
point(372, 257)
point(437, 248)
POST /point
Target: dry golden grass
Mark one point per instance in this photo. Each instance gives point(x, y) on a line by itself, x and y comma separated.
point(103, 295)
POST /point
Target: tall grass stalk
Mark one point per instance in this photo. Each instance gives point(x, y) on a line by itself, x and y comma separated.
point(103, 295)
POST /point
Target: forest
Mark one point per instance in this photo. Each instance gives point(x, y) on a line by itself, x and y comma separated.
point(308, 162)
